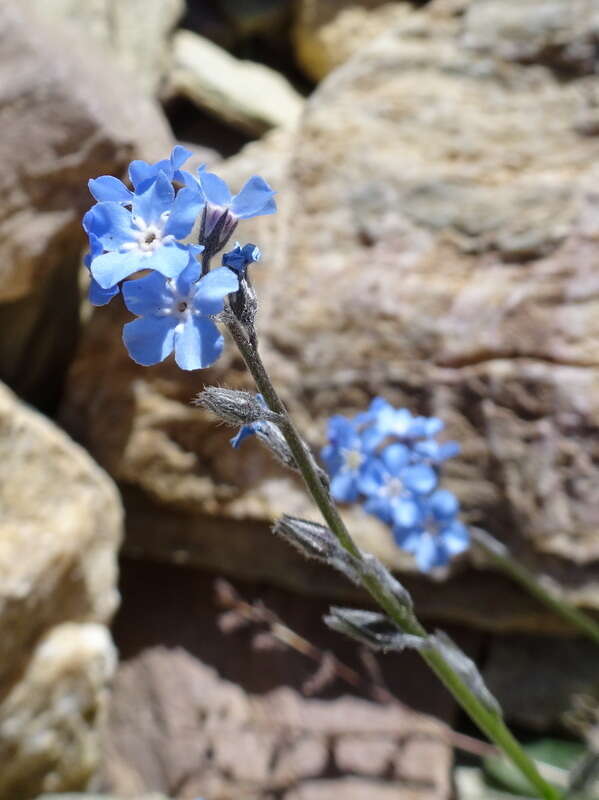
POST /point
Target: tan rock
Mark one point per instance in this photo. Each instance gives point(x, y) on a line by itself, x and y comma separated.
point(250, 96)
point(48, 720)
point(136, 32)
point(67, 115)
point(203, 736)
point(60, 527)
point(431, 247)
point(326, 35)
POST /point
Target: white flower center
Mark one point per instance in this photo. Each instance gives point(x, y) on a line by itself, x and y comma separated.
point(352, 459)
point(394, 487)
point(150, 236)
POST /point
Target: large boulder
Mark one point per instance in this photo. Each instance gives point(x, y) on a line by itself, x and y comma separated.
point(437, 245)
point(60, 527)
point(67, 115)
point(136, 33)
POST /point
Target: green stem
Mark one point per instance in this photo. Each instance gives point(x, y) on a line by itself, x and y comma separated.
point(488, 721)
point(502, 558)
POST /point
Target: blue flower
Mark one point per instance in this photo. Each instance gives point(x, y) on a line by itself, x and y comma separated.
point(436, 534)
point(392, 484)
point(145, 237)
point(175, 314)
point(255, 198)
point(346, 456)
point(399, 422)
point(241, 257)
point(250, 429)
point(141, 175)
point(96, 294)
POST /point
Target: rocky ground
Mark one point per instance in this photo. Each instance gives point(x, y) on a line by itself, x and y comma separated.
point(437, 166)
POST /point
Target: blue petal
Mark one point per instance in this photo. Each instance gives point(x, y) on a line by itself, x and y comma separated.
point(111, 268)
point(215, 189)
point(406, 512)
point(170, 259)
point(244, 432)
point(150, 340)
point(240, 257)
point(154, 201)
point(141, 174)
point(95, 248)
point(98, 296)
point(107, 187)
point(256, 197)
point(198, 343)
point(456, 538)
point(343, 487)
point(186, 209)
point(395, 457)
point(428, 554)
point(372, 478)
point(443, 504)
point(189, 276)
point(379, 507)
point(212, 290)
point(419, 478)
point(341, 432)
point(147, 296)
point(179, 156)
point(112, 224)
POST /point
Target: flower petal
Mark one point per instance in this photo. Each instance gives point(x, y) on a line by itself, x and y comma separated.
point(456, 538)
point(154, 201)
point(212, 290)
point(147, 296)
point(111, 223)
point(98, 296)
point(256, 197)
point(149, 340)
point(443, 504)
point(420, 478)
point(344, 487)
point(107, 187)
point(110, 268)
point(186, 209)
point(179, 156)
point(141, 174)
point(395, 457)
point(170, 259)
point(198, 343)
point(214, 188)
point(406, 512)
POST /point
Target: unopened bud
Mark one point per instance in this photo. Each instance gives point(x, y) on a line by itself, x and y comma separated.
point(372, 629)
point(234, 406)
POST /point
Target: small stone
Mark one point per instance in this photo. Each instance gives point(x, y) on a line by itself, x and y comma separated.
point(250, 96)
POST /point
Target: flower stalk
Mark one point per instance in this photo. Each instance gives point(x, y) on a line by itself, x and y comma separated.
point(500, 556)
point(489, 721)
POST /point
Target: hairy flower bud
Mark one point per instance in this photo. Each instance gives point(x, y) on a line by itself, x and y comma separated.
point(235, 407)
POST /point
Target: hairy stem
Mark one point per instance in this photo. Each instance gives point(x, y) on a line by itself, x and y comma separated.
point(487, 720)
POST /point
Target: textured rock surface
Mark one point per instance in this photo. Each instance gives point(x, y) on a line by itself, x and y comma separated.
point(135, 32)
point(325, 35)
point(201, 735)
point(49, 719)
point(60, 526)
point(431, 247)
point(248, 95)
point(66, 116)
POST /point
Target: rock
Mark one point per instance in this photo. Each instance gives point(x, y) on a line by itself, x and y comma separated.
point(445, 261)
point(135, 33)
point(326, 35)
point(67, 115)
point(560, 33)
point(248, 95)
point(60, 528)
point(202, 735)
point(88, 796)
point(48, 720)
point(549, 677)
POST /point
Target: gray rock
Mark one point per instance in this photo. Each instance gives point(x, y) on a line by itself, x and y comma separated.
point(248, 95)
point(60, 527)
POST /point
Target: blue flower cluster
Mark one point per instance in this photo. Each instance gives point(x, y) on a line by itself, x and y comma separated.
point(389, 460)
point(144, 229)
